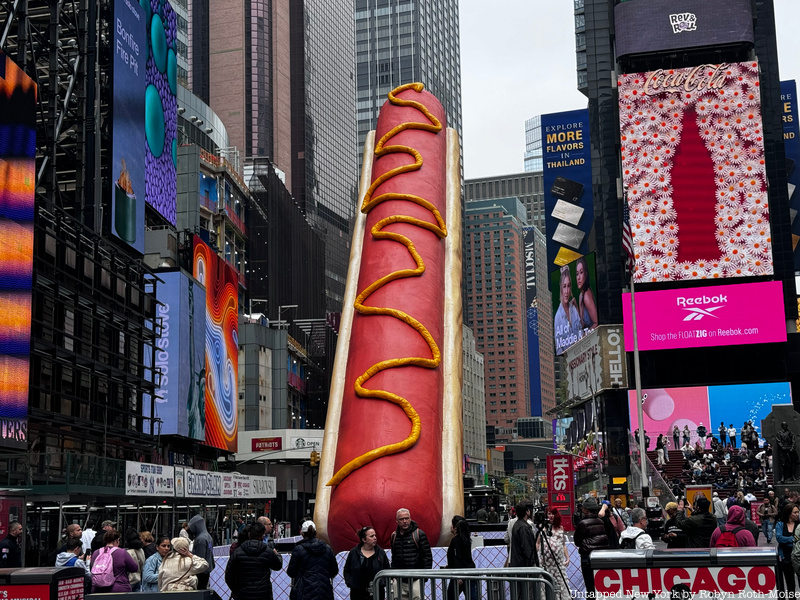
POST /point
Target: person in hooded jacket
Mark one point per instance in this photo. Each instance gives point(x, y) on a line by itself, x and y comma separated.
point(735, 521)
point(203, 546)
point(363, 563)
point(312, 567)
point(180, 568)
point(249, 569)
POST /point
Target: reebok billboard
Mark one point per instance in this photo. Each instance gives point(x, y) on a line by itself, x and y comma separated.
point(747, 313)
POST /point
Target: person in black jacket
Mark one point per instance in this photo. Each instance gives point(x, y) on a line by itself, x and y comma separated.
point(699, 526)
point(249, 570)
point(10, 551)
point(311, 567)
point(363, 563)
point(592, 533)
point(410, 550)
point(459, 556)
point(522, 550)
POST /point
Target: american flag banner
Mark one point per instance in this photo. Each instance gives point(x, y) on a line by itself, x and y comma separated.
point(627, 238)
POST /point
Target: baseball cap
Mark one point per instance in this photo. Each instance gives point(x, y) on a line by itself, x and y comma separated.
point(111, 523)
point(306, 525)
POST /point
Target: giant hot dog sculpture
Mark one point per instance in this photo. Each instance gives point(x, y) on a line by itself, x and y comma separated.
point(393, 436)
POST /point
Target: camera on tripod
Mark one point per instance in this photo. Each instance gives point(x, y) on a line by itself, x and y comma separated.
point(540, 516)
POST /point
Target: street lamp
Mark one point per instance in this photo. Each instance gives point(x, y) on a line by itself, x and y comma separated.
point(282, 308)
point(536, 462)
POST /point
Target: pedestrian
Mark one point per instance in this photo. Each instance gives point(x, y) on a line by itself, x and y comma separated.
point(720, 509)
point(180, 568)
point(148, 542)
point(362, 564)
point(121, 563)
point(687, 436)
point(673, 536)
point(722, 433)
point(410, 550)
point(732, 435)
point(494, 516)
point(71, 556)
point(312, 566)
point(249, 571)
point(784, 534)
point(99, 539)
point(134, 547)
point(553, 555)
point(700, 526)
point(734, 525)
point(635, 535)
point(267, 523)
point(592, 533)
point(459, 556)
point(522, 551)
point(203, 546)
point(701, 433)
point(153, 564)
point(768, 512)
point(676, 435)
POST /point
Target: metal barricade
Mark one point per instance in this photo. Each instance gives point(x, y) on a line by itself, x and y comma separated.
point(475, 584)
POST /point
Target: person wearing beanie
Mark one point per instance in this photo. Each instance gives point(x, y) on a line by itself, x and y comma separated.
point(700, 526)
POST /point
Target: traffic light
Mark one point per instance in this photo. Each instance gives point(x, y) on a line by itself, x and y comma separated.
point(314, 458)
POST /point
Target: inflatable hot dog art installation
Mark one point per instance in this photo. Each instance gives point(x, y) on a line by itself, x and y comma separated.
point(393, 436)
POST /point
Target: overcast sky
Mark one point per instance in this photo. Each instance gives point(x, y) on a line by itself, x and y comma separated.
point(518, 60)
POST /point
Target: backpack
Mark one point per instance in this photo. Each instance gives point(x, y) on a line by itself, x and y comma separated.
point(728, 538)
point(103, 568)
point(630, 543)
point(414, 536)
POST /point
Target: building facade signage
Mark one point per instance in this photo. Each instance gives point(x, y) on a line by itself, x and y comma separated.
point(207, 484)
point(145, 479)
point(597, 362)
point(746, 313)
point(561, 486)
point(266, 444)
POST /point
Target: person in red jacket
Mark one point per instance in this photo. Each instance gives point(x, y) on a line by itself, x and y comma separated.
point(735, 521)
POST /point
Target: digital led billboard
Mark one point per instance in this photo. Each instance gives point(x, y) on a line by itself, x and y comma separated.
point(664, 409)
point(17, 186)
point(664, 25)
point(222, 345)
point(693, 172)
point(532, 319)
point(574, 305)
point(567, 180)
point(745, 313)
point(128, 131)
point(161, 108)
point(791, 145)
point(181, 356)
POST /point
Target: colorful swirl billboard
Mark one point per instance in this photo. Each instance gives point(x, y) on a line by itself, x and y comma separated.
point(222, 345)
point(181, 356)
point(693, 171)
point(17, 186)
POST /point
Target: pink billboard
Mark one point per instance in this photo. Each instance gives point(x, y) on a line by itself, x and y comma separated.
point(746, 313)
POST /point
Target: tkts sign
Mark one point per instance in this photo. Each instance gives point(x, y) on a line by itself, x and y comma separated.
point(561, 486)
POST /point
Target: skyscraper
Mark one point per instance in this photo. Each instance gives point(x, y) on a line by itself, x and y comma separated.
point(400, 41)
point(324, 171)
point(495, 265)
point(527, 187)
point(533, 145)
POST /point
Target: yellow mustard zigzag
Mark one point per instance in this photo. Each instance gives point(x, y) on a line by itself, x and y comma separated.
point(440, 229)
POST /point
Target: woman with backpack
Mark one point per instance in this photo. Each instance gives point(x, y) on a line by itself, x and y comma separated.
point(111, 565)
point(733, 534)
point(784, 533)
